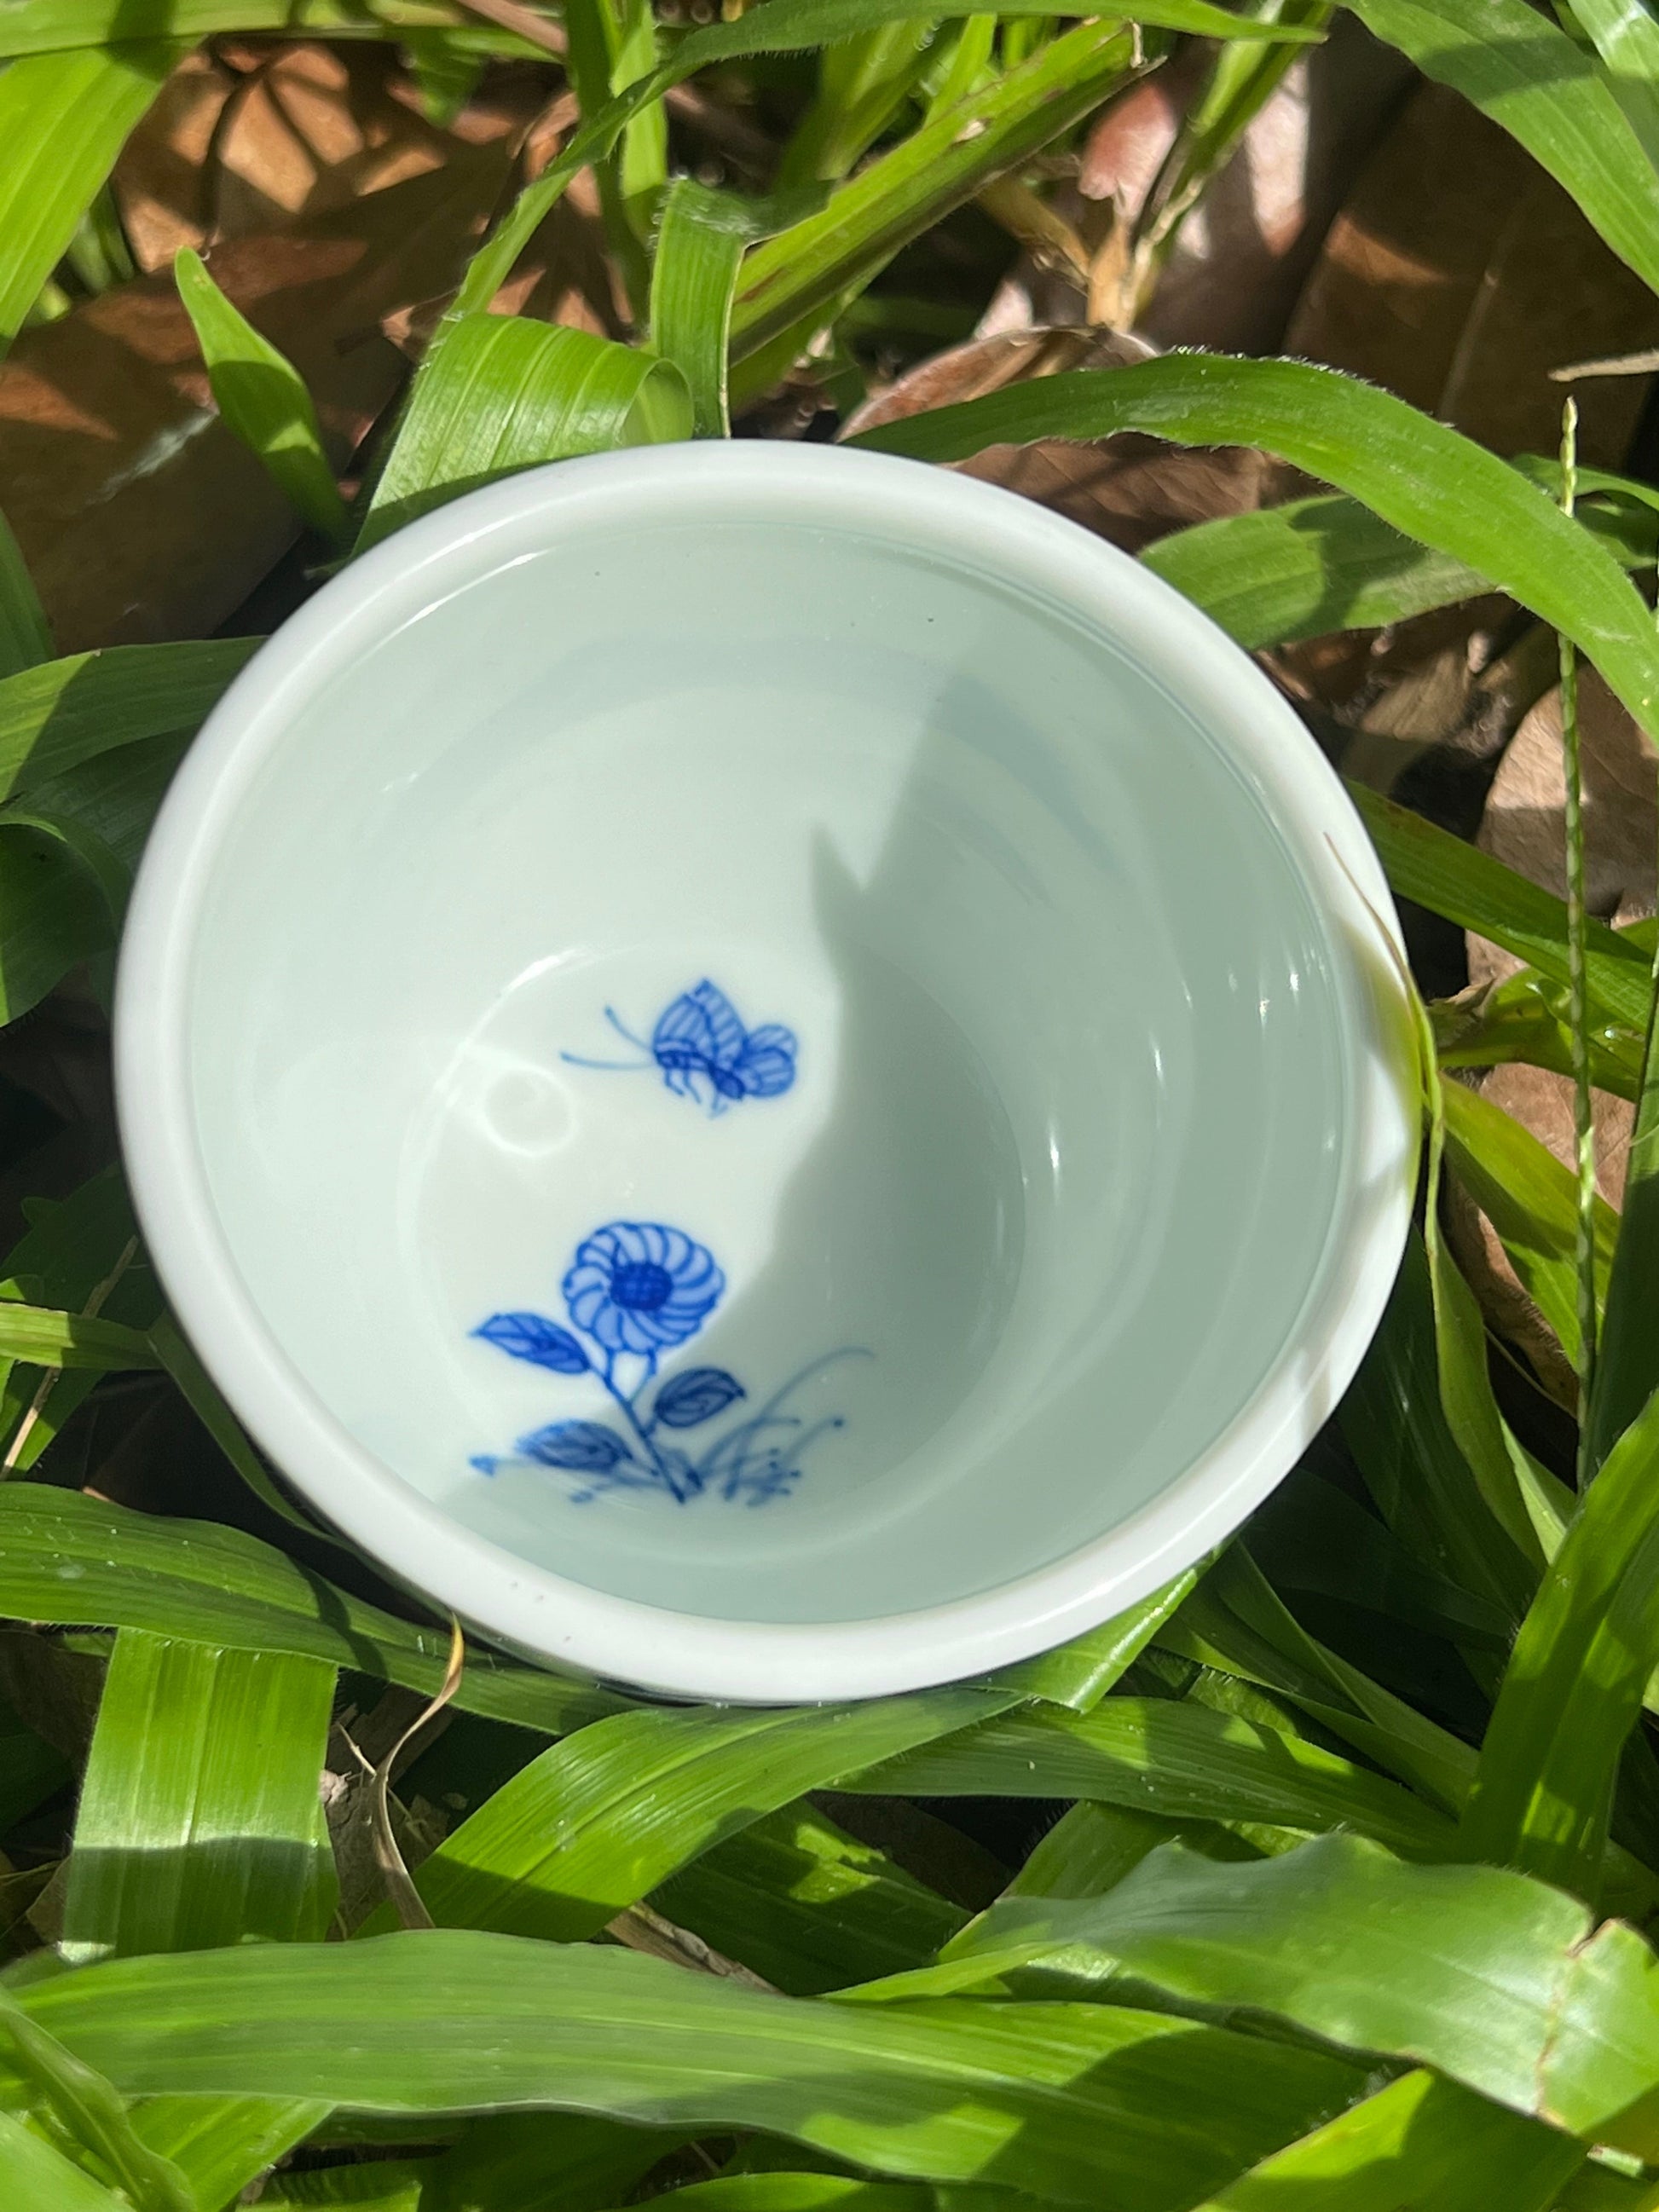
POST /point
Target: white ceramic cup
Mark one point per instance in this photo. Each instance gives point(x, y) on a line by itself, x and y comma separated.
point(768, 1071)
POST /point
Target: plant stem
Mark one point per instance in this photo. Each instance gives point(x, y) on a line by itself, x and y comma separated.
point(1583, 1112)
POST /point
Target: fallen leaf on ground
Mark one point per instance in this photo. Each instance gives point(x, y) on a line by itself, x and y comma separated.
point(1459, 275)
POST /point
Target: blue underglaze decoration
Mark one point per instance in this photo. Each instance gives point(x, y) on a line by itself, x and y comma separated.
point(633, 1290)
point(704, 1053)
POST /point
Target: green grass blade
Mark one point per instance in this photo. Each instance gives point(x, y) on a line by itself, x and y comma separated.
point(199, 1821)
point(807, 1907)
point(24, 639)
point(263, 398)
point(863, 82)
point(1628, 38)
point(57, 716)
point(541, 2162)
point(35, 2177)
point(39, 27)
point(222, 2144)
point(1461, 1968)
point(1531, 1200)
point(1184, 1761)
point(1420, 2142)
point(1522, 71)
point(41, 1337)
point(1451, 877)
point(200, 1825)
point(1396, 1428)
point(508, 394)
point(1236, 1623)
point(780, 27)
point(1627, 1372)
point(791, 26)
point(600, 1819)
point(1079, 1673)
point(1573, 1689)
point(77, 1251)
point(52, 915)
point(1077, 2104)
point(74, 1559)
point(91, 2111)
point(64, 119)
point(694, 274)
point(1425, 479)
point(816, 264)
point(1327, 563)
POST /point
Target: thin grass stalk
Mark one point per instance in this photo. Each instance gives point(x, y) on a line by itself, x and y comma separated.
point(1583, 1111)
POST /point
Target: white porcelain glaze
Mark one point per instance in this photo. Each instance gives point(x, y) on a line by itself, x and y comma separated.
point(1060, 1188)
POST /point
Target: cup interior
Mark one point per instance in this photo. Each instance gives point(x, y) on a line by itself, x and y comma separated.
point(773, 1058)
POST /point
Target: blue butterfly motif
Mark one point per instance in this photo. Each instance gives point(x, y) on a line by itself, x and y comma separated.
point(704, 1053)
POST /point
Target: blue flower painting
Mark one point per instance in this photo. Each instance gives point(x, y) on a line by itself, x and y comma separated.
point(704, 1052)
point(633, 1290)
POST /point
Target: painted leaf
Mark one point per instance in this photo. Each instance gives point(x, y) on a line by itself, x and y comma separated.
point(696, 1397)
point(532, 1336)
point(587, 1447)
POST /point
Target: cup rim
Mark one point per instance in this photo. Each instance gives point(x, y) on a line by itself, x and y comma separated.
point(568, 1624)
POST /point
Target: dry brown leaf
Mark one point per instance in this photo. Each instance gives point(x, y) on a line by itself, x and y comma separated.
point(160, 181)
point(1459, 275)
point(140, 516)
point(1130, 488)
point(312, 129)
point(1240, 259)
point(988, 364)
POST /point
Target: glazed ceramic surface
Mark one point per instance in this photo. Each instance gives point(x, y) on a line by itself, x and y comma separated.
point(767, 1070)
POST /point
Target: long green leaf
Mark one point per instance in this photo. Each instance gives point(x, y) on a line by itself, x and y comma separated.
point(37, 27)
point(1079, 2104)
point(1079, 1673)
point(816, 264)
point(55, 716)
point(1530, 1199)
point(35, 2177)
point(89, 2110)
point(77, 1251)
point(263, 398)
point(1160, 1757)
point(1573, 1690)
point(64, 119)
point(1422, 2144)
point(68, 1558)
point(1452, 877)
point(1628, 38)
point(700, 240)
point(24, 639)
point(199, 1821)
point(1417, 474)
point(1327, 563)
point(1626, 1369)
point(221, 2144)
point(600, 1819)
point(780, 27)
point(1521, 68)
point(807, 1907)
point(53, 913)
point(1489, 1977)
point(1396, 1428)
point(510, 393)
point(43, 1337)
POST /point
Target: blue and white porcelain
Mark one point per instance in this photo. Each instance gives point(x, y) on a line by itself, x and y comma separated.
point(766, 1070)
